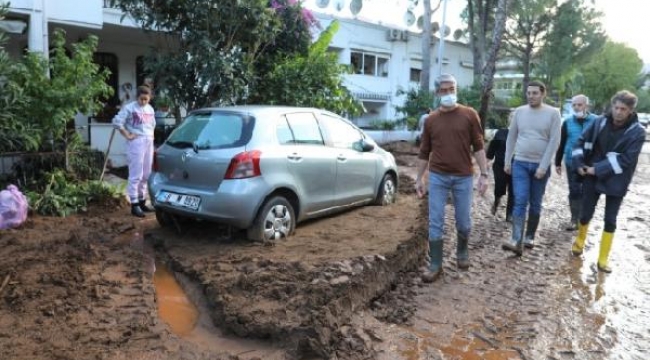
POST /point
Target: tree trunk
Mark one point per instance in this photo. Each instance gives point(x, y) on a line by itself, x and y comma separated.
point(491, 59)
point(525, 68)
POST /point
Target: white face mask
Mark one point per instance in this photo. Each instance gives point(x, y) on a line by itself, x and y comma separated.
point(579, 114)
point(448, 100)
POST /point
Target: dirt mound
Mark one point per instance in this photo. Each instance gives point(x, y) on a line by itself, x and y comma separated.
point(304, 290)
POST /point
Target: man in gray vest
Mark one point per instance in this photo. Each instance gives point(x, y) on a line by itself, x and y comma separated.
point(572, 128)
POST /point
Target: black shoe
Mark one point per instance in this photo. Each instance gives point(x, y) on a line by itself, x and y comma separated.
point(136, 211)
point(144, 207)
point(431, 276)
point(462, 264)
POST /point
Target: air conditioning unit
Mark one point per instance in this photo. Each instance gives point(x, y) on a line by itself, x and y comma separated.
point(393, 34)
point(404, 35)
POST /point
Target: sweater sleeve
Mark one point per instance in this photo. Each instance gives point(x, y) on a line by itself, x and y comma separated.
point(553, 142)
point(559, 154)
point(120, 119)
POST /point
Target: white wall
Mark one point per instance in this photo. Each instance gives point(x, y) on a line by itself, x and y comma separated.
point(358, 35)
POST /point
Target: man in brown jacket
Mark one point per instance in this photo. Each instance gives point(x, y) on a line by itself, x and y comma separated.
point(451, 134)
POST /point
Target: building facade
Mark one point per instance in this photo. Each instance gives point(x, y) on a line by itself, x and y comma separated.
point(383, 59)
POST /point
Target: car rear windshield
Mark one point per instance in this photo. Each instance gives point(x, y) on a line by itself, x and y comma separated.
point(213, 130)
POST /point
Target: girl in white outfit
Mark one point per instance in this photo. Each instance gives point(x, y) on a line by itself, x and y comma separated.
point(136, 122)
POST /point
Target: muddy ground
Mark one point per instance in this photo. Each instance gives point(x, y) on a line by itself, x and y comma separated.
point(344, 287)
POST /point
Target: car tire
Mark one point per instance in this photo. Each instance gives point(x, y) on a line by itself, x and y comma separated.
point(275, 220)
point(163, 218)
point(387, 193)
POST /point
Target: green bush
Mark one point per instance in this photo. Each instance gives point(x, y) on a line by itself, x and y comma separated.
point(61, 195)
point(414, 105)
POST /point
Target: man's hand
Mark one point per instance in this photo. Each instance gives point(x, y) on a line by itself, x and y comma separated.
point(590, 170)
point(482, 185)
point(582, 170)
point(507, 170)
point(419, 188)
point(540, 173)
point(558, 170)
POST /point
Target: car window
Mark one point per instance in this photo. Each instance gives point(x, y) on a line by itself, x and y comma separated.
point(284, 133)
point(340, 133)
point(305, 128)
point(213, 130)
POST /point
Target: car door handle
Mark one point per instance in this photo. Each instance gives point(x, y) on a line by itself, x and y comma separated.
point(294, 157)
point(341, 158)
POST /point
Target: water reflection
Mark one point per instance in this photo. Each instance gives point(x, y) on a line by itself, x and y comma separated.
point(174, 307)
point(620, 297)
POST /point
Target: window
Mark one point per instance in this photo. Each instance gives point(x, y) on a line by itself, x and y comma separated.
point(415, 75)
point(340, 133)
point(283, 132)
point(305, 128)
point(356, 59)
point(213, 130)
point(109, 61)
point(140, 74)
point(369, 64)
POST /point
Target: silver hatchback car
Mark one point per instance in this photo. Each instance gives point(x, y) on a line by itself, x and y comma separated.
point(265, 168)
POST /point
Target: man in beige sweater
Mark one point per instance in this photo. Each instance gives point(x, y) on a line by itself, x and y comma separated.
point(533, 138)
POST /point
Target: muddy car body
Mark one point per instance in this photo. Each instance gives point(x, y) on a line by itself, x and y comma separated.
point(265, 168)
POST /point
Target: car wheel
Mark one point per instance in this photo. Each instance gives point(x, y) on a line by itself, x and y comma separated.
point(387, 193)
point(275, 221)
point(163, 218)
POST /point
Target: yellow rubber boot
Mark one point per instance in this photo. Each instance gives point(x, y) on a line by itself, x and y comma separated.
point(579, 243)
point(605, 247)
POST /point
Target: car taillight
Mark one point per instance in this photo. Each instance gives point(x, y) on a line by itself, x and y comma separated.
point(244, 165)
point(154, 164)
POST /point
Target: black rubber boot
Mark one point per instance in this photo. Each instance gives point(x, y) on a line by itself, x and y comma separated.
point(462, 254)
point(495, 205)
point(515, 243)
point(531, 229)
point(144, 207)
point(574, 205)
point(136, 211)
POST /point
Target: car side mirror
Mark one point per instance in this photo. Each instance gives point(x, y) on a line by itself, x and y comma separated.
point(364, 146)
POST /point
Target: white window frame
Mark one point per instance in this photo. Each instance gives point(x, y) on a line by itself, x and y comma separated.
point(378, 69)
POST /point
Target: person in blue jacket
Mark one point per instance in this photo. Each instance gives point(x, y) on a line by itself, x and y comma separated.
point(572, 128)
point(606, 156)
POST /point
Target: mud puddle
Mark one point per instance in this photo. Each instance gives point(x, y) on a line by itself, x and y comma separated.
point(181, 305)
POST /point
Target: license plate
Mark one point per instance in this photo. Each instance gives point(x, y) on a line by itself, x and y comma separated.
point(187, 201)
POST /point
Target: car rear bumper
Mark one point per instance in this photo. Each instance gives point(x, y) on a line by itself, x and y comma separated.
point(234, 202)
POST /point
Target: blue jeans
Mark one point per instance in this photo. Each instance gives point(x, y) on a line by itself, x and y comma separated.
point(461, 188)
point(527, 188)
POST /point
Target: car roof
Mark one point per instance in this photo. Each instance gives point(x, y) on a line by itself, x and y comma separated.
point(260, 110)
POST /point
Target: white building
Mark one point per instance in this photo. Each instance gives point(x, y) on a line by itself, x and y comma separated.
point(386, 59)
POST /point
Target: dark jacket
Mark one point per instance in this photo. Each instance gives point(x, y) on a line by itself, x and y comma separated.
point(497, 148)
point(615, 167)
